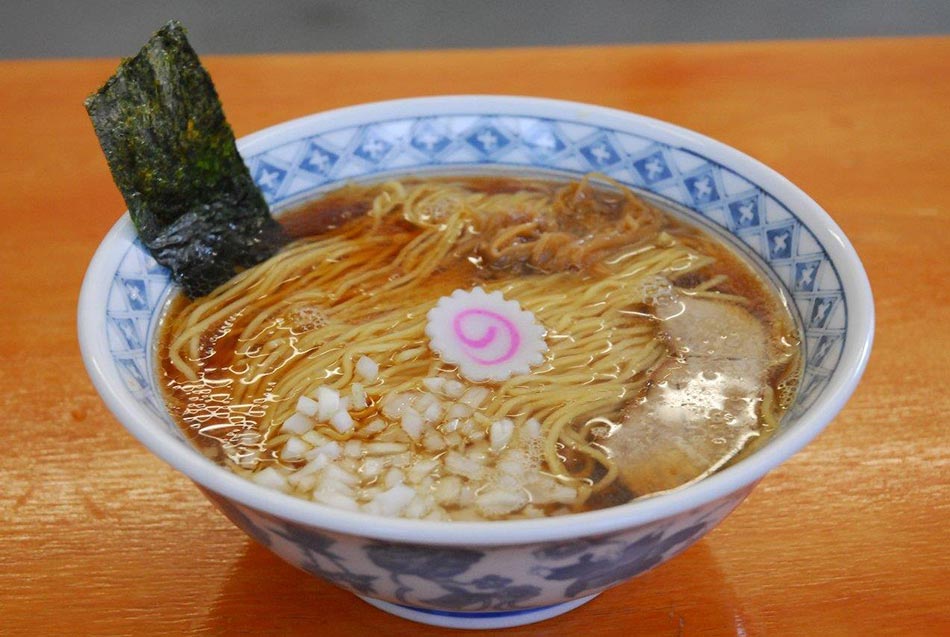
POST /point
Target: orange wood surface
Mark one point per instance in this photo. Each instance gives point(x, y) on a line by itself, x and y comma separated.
point(850, 537)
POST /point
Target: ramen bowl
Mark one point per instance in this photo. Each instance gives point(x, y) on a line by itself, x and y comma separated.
point(503, 573)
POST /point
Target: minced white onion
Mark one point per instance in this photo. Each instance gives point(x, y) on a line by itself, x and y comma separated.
point(500, 434)
point(294, 449)
point(297, 424)
point(307, 406)
point(367, 368)
point(271, 478)
point(392, 501)
point(412, 423)
point(342, 421)
point(328, 402)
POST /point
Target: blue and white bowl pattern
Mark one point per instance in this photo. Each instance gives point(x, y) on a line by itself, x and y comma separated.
point(467, 582)
point(553, 567)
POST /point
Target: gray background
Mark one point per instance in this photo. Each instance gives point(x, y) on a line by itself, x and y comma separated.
point(97, 28)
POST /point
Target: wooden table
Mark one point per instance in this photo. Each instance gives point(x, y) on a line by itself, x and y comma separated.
point(850, 537)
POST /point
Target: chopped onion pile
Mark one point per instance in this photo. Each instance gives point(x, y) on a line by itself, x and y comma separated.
point(428, 453)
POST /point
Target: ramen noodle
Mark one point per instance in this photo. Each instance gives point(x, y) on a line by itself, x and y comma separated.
point(483, 349)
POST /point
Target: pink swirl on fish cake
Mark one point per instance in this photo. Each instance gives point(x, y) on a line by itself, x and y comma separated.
point(487, 336)
point(514, 338)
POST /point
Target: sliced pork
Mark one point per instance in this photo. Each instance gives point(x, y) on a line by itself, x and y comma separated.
point(701, 409)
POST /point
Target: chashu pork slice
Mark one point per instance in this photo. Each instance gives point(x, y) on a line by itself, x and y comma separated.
point(701, 409)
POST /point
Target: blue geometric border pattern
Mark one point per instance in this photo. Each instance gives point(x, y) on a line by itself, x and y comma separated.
point(298, 170)
point(139, 287)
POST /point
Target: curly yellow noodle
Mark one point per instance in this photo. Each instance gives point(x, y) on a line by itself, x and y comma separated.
point(304, 319)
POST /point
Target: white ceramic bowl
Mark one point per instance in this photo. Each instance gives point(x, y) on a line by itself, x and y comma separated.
point(493, 574)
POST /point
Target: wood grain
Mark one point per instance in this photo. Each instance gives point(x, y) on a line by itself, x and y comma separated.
point(97, 537)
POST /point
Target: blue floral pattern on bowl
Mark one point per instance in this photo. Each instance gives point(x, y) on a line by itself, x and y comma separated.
point(474, 579)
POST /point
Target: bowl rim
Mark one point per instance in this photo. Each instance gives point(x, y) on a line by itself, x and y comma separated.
point(151, 433)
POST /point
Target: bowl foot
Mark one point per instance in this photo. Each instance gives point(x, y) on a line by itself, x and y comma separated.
point(477, 621)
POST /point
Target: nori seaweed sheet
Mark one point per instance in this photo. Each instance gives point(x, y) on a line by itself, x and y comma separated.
point(173, 156)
